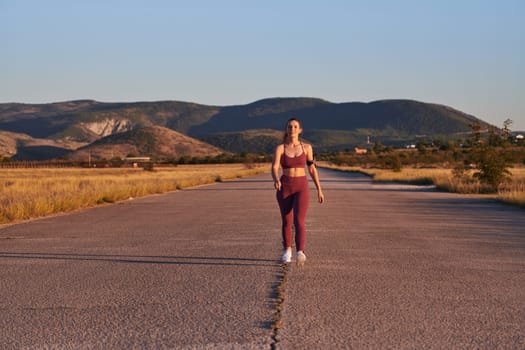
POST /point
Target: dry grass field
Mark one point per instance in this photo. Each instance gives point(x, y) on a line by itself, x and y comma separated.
point(33, 193)
point(444, 179)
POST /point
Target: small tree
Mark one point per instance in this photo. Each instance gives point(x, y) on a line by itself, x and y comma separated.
point(476, 138)
point(396, 163)
point(421, 147)
point(378, 147)
point(506, 133)
point(494, 138)
point(490, 160)
point(492, 167)
point(390, 161)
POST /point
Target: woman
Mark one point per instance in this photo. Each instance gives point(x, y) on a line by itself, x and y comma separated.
point(292, 187)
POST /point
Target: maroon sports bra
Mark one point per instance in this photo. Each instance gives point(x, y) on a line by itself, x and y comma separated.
point(293, 162)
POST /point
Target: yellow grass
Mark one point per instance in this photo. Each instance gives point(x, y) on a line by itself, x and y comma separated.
point(32, 193)
point(515, 192)
point(512, 193)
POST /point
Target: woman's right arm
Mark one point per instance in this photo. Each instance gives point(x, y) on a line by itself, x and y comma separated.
point(275, 166)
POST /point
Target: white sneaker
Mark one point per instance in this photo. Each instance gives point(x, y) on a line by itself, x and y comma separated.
point(287, 256)
point(301, 258)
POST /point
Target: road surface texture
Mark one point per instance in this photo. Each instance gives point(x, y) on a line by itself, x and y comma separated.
point(389, 267)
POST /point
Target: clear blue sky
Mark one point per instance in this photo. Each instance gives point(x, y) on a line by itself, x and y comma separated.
point(466, 54)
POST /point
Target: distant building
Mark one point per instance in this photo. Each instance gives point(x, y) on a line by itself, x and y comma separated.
point(136, 161)
point(360, 150)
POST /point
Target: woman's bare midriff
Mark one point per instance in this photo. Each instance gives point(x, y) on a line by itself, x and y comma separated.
point(294, 172)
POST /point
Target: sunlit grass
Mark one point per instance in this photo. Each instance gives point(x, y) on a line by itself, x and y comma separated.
point(514, 193)
point(32, 193)
point(444, 179)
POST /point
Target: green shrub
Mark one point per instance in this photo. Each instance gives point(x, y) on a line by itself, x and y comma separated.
point(491, 167)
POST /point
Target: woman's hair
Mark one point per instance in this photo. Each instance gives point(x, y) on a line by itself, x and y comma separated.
point(285, 137)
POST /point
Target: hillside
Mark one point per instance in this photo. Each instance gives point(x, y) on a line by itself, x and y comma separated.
point(251, 141)
point(87, 121)
point(154, 141)
point(333, 126)
point(242, 128)
point(400, 116)
point(24, 147)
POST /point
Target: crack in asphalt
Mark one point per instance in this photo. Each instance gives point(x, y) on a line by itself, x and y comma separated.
point(278, 296)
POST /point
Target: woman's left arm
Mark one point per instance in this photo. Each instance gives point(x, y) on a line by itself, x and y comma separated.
point(313, 173)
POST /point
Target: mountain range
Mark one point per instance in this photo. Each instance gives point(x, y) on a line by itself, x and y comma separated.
point(171, 129)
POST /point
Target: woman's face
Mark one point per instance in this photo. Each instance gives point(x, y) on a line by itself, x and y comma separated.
point(293, 128)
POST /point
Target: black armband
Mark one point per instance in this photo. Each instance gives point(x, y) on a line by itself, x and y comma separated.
point(310, 162)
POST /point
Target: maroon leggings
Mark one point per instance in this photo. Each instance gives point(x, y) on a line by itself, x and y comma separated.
point(293, 201)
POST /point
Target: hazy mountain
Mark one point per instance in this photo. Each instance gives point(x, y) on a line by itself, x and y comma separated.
point(254, 127)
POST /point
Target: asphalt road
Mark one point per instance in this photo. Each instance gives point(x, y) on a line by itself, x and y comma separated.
point(389, 267)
